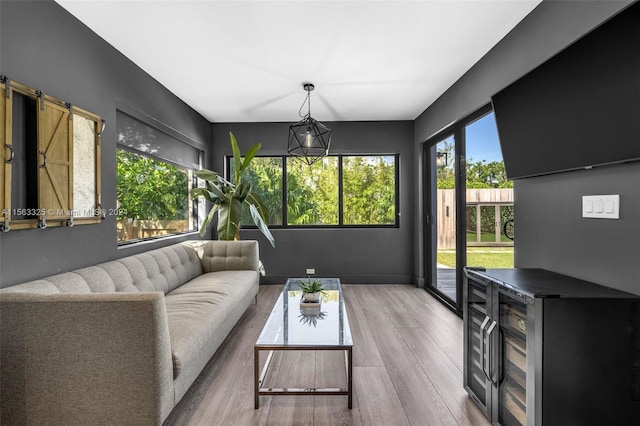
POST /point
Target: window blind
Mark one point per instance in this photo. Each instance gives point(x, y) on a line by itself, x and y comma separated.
point(153, 141)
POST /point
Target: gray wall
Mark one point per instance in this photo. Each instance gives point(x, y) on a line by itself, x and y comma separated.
point(44, 47)
point(552, 234)
point(367, 255)
point(552, 26)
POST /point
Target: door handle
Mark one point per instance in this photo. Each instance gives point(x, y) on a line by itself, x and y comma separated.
point(44, 158)
point(482, 350)
point(11, 155)
point(490, 357)
point(500, 356)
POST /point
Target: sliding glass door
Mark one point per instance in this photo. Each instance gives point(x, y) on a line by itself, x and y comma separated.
point(488, 197)
point(469, 209)
point(442, 235)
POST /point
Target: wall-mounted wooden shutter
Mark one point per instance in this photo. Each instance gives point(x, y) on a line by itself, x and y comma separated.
point(55, 158)
point(5, 152)
point(46, 163)
point(86, 165)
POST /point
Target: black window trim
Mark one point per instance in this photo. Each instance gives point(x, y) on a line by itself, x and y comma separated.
point(340, 224)
point(196, 208)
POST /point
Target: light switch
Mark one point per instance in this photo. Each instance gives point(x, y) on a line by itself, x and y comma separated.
point(608, 206)
point(588, 206)
point(598, 206)
point(601, 206)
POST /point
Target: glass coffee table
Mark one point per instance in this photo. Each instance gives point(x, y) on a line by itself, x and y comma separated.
point(293, 327)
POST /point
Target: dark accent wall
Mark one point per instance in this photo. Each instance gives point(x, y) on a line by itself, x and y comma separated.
point(44, 47)
point(552, 234)
point(41, 45)
point(552, 26)
point(363, 255)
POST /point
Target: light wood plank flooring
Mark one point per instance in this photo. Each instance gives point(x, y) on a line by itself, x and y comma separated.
point(407, 361)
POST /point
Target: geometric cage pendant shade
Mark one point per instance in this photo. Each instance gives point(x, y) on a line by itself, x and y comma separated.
point(309, 139)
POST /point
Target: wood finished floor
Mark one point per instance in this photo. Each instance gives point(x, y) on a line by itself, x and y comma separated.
point(407, 362)
point(446, 282)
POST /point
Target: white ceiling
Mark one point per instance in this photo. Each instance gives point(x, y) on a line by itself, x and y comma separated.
point(236, 61)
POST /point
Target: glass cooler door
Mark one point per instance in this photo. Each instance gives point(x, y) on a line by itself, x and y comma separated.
point(478, 321)
point(512, 388)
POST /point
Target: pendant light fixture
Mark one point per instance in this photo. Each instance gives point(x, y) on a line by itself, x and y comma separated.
point(308, 139)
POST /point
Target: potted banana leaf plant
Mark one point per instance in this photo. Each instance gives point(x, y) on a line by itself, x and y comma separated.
point(230, 198)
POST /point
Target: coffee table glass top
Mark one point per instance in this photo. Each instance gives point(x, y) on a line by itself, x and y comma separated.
point(290, 324)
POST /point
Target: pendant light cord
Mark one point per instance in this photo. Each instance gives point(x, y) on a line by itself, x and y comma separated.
point(307, 100)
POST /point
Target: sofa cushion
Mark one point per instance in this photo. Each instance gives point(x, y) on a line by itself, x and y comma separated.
point(196, 309)
point(163, 269)
point(230, 255)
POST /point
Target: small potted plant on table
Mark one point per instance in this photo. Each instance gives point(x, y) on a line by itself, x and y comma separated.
point(311, 290)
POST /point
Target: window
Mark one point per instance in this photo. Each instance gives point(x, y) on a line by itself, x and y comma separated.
point(154, 181)
point(336, 191)
point(312, 192)
point(153, 197)
point(369, 195)
point(265, 175)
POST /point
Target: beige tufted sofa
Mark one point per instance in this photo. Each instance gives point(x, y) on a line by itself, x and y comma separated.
point(120, 343)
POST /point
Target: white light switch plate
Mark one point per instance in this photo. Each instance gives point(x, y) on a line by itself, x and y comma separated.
point(601, 206)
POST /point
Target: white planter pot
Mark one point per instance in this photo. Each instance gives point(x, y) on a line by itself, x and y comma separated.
point(311, 297)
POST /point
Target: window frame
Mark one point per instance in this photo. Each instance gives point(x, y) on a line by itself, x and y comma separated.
point(340, 225)
point(197, 212)
point(196, 204)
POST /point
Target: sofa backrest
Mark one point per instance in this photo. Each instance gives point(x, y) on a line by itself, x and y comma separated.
point(163, 269)
point(242, 255)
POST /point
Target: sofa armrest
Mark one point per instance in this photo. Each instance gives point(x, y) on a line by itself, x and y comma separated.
point(219, 255)
point(97, 358)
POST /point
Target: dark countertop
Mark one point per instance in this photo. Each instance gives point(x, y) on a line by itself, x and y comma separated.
point(541, 283)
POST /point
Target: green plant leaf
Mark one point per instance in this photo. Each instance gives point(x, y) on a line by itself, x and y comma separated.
point(237, 159)
point(217, 191)
point(248, 156)
point(229, 219)
point(206, 174)
point(202, 193)
point(243, 190)
point(256, 201)
point(207, 220)
point(257, 219)
point(311, 286)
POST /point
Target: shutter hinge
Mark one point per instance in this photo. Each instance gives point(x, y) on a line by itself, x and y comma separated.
point(7, 86)
point(5, 226)
point(40, 94)
point(42, 222)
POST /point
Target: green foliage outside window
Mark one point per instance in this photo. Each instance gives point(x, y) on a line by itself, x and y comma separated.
point(369, 190)
point(265, 176)
point(150, 189)
point(488, 219)
point(480, 174)
point(312, 192)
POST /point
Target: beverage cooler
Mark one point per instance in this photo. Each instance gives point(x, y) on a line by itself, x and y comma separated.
point(545, 349)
